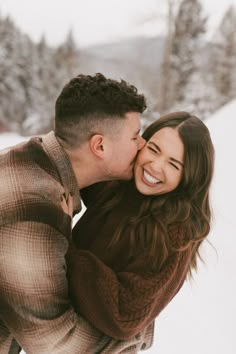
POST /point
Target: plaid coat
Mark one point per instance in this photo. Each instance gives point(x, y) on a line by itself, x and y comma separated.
point(35, 310)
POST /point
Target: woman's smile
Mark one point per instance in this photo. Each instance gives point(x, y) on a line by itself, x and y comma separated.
point(159, 165)
point(149, 179)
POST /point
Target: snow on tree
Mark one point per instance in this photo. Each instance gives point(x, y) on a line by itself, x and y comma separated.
point(31, 77)
point(40, 117)
point(223, 58)
point(183, 52)
point(33, 74)
point(66, 59)
point(12, 97)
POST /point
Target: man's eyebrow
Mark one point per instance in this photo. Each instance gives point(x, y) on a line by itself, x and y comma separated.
point(138, 131)
point(171, 158)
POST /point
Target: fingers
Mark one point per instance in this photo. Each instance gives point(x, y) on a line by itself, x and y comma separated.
point(64, 204)
point(67, 205)
point(70, 204)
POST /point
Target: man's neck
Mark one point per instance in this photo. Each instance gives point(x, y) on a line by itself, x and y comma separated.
point(85, 169)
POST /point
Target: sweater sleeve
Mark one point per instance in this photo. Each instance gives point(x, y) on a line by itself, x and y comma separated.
point(122, 304)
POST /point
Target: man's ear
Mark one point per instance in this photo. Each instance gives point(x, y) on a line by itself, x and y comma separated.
point(96, 144)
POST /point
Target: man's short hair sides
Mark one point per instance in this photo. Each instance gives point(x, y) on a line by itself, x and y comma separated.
point(89, 102)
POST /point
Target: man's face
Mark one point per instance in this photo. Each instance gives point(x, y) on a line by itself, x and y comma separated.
point(124, 147)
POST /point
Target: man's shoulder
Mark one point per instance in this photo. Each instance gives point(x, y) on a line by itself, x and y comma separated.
point(27, 173)
point(31, 188)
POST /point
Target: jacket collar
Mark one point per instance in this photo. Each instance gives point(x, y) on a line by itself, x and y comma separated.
point(62, 162)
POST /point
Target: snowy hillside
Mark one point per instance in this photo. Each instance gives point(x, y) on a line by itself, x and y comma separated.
point(9, 139)
point(200, 320)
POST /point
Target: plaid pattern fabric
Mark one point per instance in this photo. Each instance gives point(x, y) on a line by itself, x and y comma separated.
point(35, 310)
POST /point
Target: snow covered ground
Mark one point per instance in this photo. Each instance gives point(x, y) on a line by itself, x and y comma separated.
point(200, 319)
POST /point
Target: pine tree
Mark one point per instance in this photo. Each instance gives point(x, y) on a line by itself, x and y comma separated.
point(66, 57)
point(12, 97)
point(223, 59)
point(164, 96)
point(31, 78)
point(189, 25)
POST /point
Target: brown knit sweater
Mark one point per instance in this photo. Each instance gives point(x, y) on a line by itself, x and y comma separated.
point(119, 295)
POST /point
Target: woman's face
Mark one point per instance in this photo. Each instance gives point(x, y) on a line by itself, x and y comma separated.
point(159, 165)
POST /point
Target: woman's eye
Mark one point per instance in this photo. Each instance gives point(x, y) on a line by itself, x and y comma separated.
point(176, 167)
point(150, 148)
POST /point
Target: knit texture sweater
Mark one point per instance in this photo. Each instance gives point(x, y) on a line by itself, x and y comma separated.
point(119, 294)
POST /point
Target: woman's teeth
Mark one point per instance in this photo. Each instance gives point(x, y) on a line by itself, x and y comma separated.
point(149, 178)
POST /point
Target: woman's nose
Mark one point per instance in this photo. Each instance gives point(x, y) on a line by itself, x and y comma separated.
point(158, 165)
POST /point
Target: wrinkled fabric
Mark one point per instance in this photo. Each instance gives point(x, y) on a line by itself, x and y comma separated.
point(35, 309)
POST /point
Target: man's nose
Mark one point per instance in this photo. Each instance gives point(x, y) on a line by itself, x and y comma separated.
point(141, 143)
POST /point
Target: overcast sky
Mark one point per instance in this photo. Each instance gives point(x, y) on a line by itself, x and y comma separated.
point(96, 21)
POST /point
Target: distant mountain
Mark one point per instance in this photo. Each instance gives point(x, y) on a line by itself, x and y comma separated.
point(135, 60)
point(146, 50)
point(34, 74)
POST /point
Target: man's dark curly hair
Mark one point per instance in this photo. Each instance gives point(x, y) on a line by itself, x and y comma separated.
point(88, 103)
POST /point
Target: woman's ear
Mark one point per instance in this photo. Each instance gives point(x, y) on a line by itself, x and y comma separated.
point(96, 144)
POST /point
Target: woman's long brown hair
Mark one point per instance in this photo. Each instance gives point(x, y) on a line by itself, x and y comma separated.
point(185, 209)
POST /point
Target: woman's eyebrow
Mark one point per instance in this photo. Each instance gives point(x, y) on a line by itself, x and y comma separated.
point(159, 149)
point(155, 145)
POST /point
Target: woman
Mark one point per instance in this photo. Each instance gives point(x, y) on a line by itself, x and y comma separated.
point(138, 240)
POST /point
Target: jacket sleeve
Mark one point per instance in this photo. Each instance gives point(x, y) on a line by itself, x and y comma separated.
point(34, 301)
point(121, 304)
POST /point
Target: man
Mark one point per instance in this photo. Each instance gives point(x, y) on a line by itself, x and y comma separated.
point(96, 138)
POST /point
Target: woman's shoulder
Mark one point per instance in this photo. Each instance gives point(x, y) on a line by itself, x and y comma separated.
point(94, 192)
point(103, 191)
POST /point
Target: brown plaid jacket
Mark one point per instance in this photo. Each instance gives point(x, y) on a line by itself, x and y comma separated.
point(35, 310)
